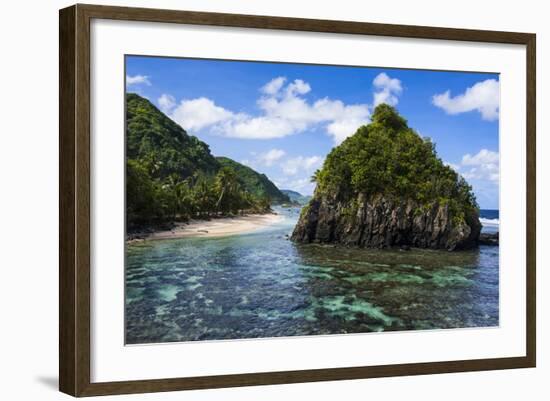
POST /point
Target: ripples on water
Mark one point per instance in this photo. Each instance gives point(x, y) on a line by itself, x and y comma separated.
point(262, 285)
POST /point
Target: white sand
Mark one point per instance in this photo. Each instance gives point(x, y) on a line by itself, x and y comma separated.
point(218, 227)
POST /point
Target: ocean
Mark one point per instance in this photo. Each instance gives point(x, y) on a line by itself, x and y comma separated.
point(262, 285)
point(489, 219)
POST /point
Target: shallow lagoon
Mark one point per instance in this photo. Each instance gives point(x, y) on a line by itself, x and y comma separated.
point(262, 285)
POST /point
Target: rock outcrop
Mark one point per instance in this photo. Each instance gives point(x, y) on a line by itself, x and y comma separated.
point(385, 186)
point(488, 239)
point(377, 222)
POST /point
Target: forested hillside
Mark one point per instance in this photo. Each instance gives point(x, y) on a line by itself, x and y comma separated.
point(171, 175)
point(296, 197)
point(255, 183)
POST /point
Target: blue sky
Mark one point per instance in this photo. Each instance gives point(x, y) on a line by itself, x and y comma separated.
point(283, 119)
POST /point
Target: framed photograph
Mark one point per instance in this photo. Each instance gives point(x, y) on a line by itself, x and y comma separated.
point(250, 200)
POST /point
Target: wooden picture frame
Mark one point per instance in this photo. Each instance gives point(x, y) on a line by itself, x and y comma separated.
point(74, 203)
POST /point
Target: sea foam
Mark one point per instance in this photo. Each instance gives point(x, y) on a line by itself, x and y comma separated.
point(489, 222)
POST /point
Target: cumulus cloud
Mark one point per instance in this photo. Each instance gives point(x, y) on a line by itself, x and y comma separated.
point(283, 109)
point(199, 113)
point(483, 97)
point(484, 156)
point(296, 171)
point(270, 157)
point(302, 185)
point(264, 159)
point(481, 170)
point(166, 103)
point(387, 89)
point(454, 166)
point(262, 127)
point(137, 80)
point(301, 164)
point(483, 165)
point(273, 86)
point(292, 113)
point(298, 87)
point(351, 118)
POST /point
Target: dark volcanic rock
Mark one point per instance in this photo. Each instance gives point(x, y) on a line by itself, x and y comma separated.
point(488, 239)
point(379, 222)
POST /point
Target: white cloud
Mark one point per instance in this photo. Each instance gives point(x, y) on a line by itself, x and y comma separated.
point(294, 114)
point(273, 86)
point(301, 164)
point(262, 127)
point(484, 166)
point(484, 97)
point(481, 170)
point(137, 80)
point(388, 89)
point(455, 167)
point(485, 172)
point(166, 103)
point(298, 87)
point(484, 156)
point(270, 157)
point(199, 113)
point(351, 118)
point(302, 185)
point(296, 171)
point(264, 159)
point(284, 112)
point(383, 81)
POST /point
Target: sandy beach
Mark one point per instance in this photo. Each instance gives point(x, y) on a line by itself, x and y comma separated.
point(218, 227)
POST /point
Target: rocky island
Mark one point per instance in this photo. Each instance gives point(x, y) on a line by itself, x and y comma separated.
point(385, 187)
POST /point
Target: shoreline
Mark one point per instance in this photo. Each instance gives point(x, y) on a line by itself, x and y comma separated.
point(215, 227)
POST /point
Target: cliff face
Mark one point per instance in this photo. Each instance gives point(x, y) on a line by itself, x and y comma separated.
point(385, 186)
point(377, 222)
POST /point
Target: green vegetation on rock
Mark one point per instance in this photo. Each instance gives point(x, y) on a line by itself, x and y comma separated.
point(171, 175)
point(385, 186)
point(387, 157)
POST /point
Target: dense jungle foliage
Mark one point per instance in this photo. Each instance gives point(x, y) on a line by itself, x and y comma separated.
point(255, 183)
point(171, 175)
point(387, 157)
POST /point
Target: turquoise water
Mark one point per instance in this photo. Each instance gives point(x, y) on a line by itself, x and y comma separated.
point(262, 285)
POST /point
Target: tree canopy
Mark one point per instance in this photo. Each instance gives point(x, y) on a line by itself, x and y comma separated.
point(255, 183)
point(388, 157)
point(171, 175)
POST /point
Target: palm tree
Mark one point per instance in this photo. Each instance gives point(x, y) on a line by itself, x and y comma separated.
point(227, 187)
point(203, 195)
point(315, 176)
point(171, 187)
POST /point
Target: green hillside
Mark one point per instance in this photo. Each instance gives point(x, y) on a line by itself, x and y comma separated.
point(255, 183)
point(158, 141)
point(296, 197)
point(171, 175)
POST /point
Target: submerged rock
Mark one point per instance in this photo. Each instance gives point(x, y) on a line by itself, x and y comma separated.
point(488, 239)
